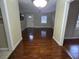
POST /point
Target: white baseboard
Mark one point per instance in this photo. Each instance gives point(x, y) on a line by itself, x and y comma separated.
point(2, 49)
point(17, 43)
point(71, 37)
point(57, 41)
point(14, 47)
point(69, 54)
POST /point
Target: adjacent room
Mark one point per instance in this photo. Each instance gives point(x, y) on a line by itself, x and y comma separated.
point(71, 42)
point(37, 17)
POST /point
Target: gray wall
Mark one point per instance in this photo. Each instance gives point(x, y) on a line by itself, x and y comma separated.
point(23, 24)
point(72, 19)
point(3, 39)
point(37, 20)
point(0, 12)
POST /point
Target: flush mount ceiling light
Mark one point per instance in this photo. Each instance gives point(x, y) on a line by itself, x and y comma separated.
point(40, 3)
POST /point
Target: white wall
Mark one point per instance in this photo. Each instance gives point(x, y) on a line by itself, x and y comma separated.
point(11, 20)
point(60, 21)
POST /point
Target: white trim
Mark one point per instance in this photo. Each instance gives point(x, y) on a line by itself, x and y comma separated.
point(6, 23)
point(71, 37)
point(61, 45)
point(70, 1)
point(63, 27)
point(17, 43)
point(57, 41)
point(6, 54)
point(10, 42)
point(4, 49)
point(69, 54)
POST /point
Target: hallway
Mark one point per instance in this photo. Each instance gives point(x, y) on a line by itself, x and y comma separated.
point(38, 44)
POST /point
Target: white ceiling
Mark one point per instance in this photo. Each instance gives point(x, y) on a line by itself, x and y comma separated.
point(27, 6)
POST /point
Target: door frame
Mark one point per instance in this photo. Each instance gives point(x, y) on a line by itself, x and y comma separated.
point(6, 22)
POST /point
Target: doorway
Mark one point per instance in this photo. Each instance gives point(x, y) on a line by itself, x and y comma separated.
point(30, 21)
point(71, 42)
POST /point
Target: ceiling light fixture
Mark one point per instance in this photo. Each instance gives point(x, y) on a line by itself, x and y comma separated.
point(40, 3)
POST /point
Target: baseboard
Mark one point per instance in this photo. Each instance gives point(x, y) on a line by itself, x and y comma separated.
point(71, 37)
point(4, 49)
point(14, 47)
point(40, 27)
point(57, 41)
point(69, 54)
point(17, 43)
point(8, 53)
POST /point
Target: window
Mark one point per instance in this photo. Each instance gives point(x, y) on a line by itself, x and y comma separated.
point(44, 19)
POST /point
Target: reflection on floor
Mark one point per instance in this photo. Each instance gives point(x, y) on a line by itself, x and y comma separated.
point(72, 45)
point(38, 44)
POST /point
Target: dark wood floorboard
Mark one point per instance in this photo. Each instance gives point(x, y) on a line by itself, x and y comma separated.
point(38, 44)
point(72, 46)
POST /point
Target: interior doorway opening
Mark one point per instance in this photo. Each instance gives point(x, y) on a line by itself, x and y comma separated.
point(71, 42)
point(35, 17)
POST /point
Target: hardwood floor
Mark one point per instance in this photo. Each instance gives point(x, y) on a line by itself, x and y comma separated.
point(72, 45)
point(38, 44)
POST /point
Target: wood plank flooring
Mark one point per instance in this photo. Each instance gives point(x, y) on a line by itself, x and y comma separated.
point(38, 44)
point(72, 46)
